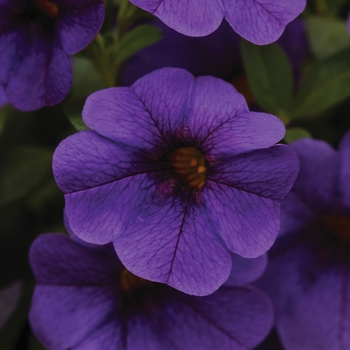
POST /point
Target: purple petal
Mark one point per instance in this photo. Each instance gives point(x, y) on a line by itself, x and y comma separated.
point(164, 94)
point(194, 18)
point(107, 336)
point(219, 116)
point(58, 260)
point(269, 173)
point(78, 23)
point(316, 184)
point(178, 246)
point(344, 182)
point(231, 318)
point(311, 301)
point(239, 214)
point(119, 114)
point(57, 310)
point(244, 132)
point(261, 21)
point(295, 214)
point(76, 289)
point(246, 270)
point(36, 71)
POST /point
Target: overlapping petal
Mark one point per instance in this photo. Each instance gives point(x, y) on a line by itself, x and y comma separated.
point(246, 270)
point(312, 303)
point(79, 22)
point(35, 68)
point(35, 71)
point(194, 18)
point(93, 314)
point(316, 183)
point(175, 242)
point(269, 173)
point(259, 21)
point(248, 223)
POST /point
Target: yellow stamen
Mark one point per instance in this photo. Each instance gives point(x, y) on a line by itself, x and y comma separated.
point(189, 163)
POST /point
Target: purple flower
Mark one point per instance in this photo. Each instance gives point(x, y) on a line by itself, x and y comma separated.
point(177, 173)
point(308, 277)
point(86, 299)
point(259, 21)
point(36, 39)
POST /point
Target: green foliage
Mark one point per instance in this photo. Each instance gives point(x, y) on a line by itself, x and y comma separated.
point(294, 134)
point(269, 74)
point(327, 83)
point(327, 36)
point(136, 40)
point(22, 170)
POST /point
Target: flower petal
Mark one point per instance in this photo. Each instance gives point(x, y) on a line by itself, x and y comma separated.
point(178, 245)
point(312, 302)
point(230, 318)
point(87, 307)
point(246, 270)
point(38, 71)
point(261, 21)
point(194, 18)
point(58, 260)
point(119, 114)
point(78, 23)
point(316, 183)
point(248, 223)
point(268, 172)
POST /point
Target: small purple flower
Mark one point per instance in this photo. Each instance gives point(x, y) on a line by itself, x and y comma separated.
point(308, 277)
point(36, 39)
point(86, 299)
point(177, 173)
point(259, 21)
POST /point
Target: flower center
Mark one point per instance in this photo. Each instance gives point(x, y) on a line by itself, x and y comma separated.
point(131, 283)
point(338, 225)
point(189, 163)
point(47, 7)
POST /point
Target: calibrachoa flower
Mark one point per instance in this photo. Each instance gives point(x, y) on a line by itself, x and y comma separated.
point(36, 39)
point(86, 299)
point(308, 277)
point(177, 173)
point(259, 21)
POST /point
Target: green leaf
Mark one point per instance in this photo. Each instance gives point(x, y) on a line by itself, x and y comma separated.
point(22, 170)
point(326, 84)
point(136, 40)
point(327, 36)
point(269, 74)
point(293, 134)
point(77, 121)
